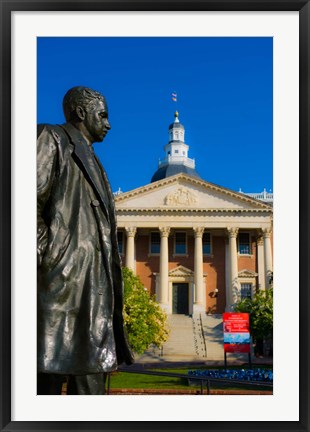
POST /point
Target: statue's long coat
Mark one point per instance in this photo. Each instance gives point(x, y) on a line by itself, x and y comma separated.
point(80, 289)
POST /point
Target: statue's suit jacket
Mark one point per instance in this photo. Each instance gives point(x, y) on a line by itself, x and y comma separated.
point(80, 288)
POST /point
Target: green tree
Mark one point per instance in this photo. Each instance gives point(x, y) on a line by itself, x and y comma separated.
point(260, 309)
point(145, 321)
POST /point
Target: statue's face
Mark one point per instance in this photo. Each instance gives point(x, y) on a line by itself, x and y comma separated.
point(96, 120)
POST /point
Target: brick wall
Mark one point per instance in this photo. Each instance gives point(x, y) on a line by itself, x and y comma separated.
point(213, 266)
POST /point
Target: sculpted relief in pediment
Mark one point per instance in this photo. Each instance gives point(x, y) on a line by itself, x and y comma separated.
point(181, 197)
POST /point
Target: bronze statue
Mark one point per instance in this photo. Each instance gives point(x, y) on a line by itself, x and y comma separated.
point(81, 333)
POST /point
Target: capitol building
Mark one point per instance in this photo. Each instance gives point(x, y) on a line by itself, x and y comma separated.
point(199, 247)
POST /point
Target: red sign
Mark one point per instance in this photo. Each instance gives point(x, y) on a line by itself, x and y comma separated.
point(236, 327)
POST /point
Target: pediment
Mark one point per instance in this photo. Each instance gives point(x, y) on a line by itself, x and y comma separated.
point(245, 273)
point(183, 192)
point(181, 271)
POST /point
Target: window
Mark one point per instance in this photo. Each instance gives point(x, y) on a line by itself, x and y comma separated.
point(244, 244)
point(120, 241)
point(206, 243)
point(246, 290)
point(180, 243)
point(155, 243)
point(176, 151)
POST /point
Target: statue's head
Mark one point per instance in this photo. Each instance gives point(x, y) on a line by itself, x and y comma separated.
point(79, 96)
point(87, 110)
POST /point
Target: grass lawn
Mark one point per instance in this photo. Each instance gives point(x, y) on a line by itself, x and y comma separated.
point(138, 381)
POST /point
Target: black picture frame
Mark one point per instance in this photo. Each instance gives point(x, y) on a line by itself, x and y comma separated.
point(7, 7)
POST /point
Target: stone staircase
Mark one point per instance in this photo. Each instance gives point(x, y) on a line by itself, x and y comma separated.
point(185, 341)
point(213, 335)
point(197, 338)
point(181, 340)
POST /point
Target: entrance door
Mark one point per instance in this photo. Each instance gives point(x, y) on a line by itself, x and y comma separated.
point(180, 298)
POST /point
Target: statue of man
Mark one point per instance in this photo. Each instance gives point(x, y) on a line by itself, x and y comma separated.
point(81, 333)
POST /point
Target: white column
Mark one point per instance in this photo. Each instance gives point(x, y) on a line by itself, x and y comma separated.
point(233, 294)
point(198, 271)
point(268, 256)
point(130, 249)
point(163, 267)
point(260, 263)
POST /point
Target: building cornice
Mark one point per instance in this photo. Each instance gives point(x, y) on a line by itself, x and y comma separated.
point(123, 210)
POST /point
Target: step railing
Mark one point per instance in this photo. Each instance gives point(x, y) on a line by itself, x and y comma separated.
point(203, 335)
point(199, 337)
point(204, 381)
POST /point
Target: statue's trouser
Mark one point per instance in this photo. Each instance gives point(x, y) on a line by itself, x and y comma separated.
point(51, 384)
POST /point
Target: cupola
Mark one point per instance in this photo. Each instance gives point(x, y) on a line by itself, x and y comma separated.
point(176, 159)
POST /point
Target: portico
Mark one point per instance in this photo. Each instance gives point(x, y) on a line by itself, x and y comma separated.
point(196, 278)
point(182, 230)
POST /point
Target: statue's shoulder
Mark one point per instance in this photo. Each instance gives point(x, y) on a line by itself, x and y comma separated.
point(54, 130)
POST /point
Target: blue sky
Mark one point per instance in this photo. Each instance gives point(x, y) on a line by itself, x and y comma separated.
point(224, 88)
